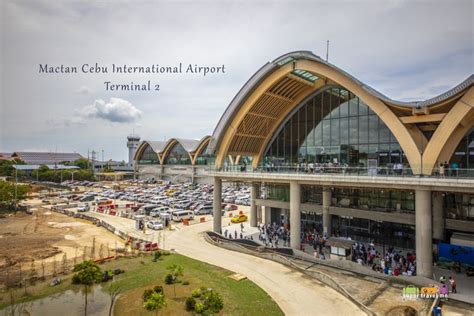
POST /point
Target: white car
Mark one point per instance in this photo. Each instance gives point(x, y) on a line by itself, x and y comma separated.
point(83, 208)
point(156, 225)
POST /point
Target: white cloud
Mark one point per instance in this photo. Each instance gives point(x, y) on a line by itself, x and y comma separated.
point(116, 110)
point(84, 90)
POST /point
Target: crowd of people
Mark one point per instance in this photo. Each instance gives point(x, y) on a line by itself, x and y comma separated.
point(271, 234)
point(392, 262)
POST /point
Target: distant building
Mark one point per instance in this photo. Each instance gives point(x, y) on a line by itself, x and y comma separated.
point(46, 158)
point(132, 143)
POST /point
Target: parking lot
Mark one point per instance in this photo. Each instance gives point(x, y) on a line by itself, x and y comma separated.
point(150, 206)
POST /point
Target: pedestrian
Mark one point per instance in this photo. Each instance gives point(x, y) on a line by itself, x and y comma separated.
point(442, 279)
point(241, 236)
point(241, 227)
point(452, 283)
point(235, 234)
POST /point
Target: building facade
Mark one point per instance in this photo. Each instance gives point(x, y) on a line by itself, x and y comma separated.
point(324, 151)
point(177, 159)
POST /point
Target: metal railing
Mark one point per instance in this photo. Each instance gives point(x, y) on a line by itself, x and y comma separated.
point(324, 169)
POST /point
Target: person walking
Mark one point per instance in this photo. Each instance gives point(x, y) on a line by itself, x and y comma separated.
point(452, 283)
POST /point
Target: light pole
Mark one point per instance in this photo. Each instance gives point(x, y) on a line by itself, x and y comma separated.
point(72, 174)
point(16, 185)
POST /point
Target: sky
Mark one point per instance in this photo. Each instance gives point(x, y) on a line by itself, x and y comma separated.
point(407, 50)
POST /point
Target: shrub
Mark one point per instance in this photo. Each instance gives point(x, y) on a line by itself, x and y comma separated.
point(196, 293)
point(169, 279)
point(147, 294)
point(190, 304)
point(185, 282)
point(155, 302)
point(157, 256)
point(199, 308)
point(158, 289)
point(213, 301)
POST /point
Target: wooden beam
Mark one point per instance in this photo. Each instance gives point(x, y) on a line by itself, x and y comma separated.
point(296, 78)
point(250, 135)
point(274, 95)
point(262, 115)
point(422, 118)
point(428, 128)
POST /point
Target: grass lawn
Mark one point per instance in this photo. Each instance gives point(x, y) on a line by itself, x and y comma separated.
point(240, 297)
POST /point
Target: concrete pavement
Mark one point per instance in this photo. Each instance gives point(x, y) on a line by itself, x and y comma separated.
point(295, 293)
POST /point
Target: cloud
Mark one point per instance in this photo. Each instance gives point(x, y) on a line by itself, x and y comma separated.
point(116, 110)
point(84, 90)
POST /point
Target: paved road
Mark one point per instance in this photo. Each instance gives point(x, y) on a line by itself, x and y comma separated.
point(295, 293)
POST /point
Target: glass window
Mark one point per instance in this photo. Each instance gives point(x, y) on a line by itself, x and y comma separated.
point(363, 129)
point(344, 130)
point(373, 129)
point(148, 156)
point(326, 132)
point(178, 156)
point(330, 128)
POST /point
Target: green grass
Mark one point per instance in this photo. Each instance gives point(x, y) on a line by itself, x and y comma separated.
point(240, 297)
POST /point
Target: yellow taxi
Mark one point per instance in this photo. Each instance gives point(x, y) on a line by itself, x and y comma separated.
point(239, 218)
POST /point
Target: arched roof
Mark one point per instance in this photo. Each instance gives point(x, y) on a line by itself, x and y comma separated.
point(157, 146)
point(279, 86)
point(162, 148)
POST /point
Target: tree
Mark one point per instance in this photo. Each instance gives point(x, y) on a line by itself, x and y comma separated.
point(7, 193)
point(176, 271)
point(155, 302)
point(114, 291)
point(82, 163)
point(87, 273)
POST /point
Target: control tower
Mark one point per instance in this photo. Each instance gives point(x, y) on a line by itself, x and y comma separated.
point(133, 141)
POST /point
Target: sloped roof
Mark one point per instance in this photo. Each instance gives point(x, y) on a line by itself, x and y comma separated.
point(45, 158)
point(157, 146)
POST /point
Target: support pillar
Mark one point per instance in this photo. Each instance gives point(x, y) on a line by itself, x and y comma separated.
point(438, 216)
point(259, 214)
point(424, 246)
point(217, 205)
point(327, 196)
point(267, 210)
point(253, 205)
point(295, 215)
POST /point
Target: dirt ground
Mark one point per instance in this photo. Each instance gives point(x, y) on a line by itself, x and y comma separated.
point(50, 239)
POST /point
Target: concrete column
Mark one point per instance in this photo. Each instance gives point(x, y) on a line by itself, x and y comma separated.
point(217, 205)
point(267, 210)
point(327, 196)
point(295, 215)
point(424, 247)
point(438, 216)
point(253, 205)
point(259, 214)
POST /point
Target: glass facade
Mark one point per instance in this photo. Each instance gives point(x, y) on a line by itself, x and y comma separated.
point(203, 158)
point(148, 156)
point(463, 156)
point(375, 199)
point(335, 127)
point(178, 156)
point(459, 206)
point(383, 233)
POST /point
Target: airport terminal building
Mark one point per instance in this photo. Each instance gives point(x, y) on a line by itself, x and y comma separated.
point(177, 160)
point(322, 150)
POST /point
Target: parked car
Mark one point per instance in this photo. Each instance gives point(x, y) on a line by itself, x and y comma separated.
point(155, 225)
point(239, 218)
point(203, 210)
point(179, 216)
point(84, 208)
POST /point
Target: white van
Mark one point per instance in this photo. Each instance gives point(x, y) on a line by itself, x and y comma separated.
point(179, 216)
